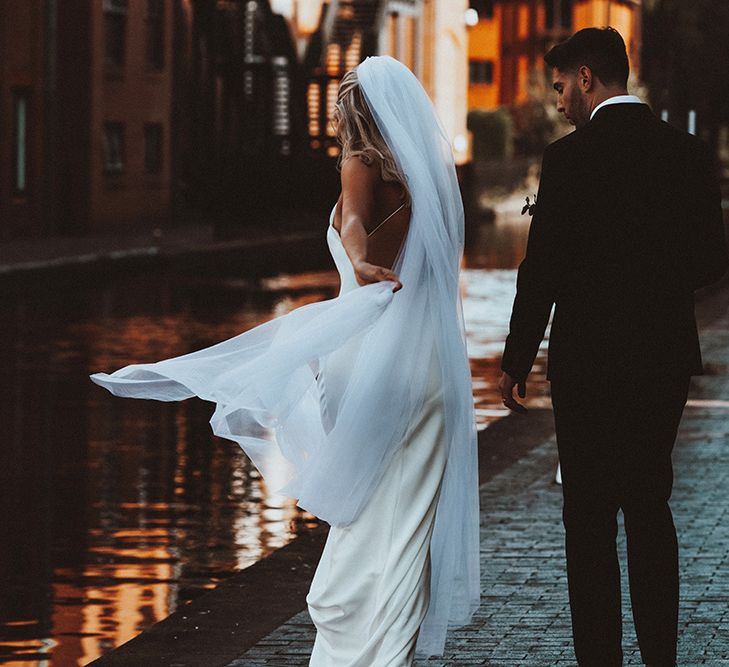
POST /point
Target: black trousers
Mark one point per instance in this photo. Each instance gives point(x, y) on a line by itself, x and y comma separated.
point(615, 439)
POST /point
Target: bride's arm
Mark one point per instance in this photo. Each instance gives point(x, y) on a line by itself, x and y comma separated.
point(358, 204)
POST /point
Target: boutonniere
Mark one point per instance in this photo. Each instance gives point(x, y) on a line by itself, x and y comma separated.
point(530, 206)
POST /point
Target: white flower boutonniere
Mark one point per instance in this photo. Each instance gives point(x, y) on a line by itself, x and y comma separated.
point(530, 206)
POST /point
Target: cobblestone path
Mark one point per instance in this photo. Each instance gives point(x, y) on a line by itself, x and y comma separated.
point(524, 616)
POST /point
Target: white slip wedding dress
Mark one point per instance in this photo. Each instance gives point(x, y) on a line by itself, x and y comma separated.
point(371, 589)
point(345, 406)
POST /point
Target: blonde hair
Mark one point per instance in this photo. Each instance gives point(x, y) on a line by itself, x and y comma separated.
point(357, 132)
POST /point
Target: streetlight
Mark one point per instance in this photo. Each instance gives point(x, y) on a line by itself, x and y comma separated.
point(308, 15)
point(303, 16)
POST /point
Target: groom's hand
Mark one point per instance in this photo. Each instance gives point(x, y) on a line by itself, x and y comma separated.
point(506, 387)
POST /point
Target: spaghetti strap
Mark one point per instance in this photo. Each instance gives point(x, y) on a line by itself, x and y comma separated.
point(386, 219)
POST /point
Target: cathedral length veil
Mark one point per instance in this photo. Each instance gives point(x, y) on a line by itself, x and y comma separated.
point(264, 381)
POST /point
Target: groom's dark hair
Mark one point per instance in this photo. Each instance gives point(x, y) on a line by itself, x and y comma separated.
point(601, 49)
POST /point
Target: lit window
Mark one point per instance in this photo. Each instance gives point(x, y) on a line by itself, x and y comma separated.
point(281, 97)
point(153, 148)
point(409, 45)
point(332, 90)
point(334, 59)
point(353, 54)
point(314, 105)
point(392, 30)
point(20, 144)
point(113, 148)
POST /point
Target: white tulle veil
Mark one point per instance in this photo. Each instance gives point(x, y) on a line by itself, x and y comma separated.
point(264, 381)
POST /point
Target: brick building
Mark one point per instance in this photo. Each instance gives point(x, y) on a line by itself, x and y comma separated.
point(130, 115)
point(24, 102)
point(86, 90)
point(114, 110)
point(508, 38)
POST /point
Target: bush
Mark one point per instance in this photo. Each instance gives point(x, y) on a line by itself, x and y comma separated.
point(493, 134)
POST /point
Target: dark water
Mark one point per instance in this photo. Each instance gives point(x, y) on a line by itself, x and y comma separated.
point(115, 511)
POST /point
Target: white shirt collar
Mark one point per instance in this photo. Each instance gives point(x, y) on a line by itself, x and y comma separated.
point(618, 99)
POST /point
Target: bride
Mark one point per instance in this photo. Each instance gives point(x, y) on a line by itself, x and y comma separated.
point(364, 402)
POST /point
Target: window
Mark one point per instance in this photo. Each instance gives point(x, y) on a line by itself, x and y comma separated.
point(392, 31)
point(407, 48)
point(21, 113)
point(565, 13)
point(153, 148)
point(115, 28)
point(485, 8)
point(114, 148)
point(558, 13)
point(481, 71)
point(155, 34)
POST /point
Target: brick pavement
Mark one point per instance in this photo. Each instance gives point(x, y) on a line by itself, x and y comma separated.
point(524, 617)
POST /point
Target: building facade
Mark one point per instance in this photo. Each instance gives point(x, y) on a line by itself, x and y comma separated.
point(508, 39)
point(295, 88)
point(86, 105)
point(131, 115)
point(115, 74)
point(429, 36)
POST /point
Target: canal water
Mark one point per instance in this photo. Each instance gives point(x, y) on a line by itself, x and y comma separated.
point(116, 511)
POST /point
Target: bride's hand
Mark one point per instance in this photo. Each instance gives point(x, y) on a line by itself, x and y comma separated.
point(367, 273)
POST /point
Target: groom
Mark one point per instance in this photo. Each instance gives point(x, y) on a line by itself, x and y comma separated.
point(627, 225)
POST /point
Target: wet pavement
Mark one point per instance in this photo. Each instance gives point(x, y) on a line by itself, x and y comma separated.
point(524, 618)
point(123, 513)
point(119, 512)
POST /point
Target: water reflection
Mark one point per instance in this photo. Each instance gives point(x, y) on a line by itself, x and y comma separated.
point(117, 511)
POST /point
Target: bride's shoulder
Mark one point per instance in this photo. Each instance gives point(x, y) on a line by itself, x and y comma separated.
point(360, 165)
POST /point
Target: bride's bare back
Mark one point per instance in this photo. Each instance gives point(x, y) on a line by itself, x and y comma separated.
point(366, 201)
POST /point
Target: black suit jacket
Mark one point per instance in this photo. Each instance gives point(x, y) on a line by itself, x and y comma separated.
point(628, 223)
